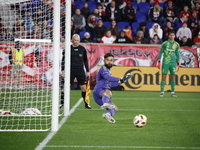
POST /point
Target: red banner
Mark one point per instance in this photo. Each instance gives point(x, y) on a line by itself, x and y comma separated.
point(39, 70)
point(135, 56)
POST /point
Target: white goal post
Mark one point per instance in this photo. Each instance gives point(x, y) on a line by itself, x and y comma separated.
point(30, 85)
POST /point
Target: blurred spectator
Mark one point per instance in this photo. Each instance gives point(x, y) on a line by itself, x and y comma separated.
point(63, 3)
point(108, 38)
point(193, 2)
point(73, 9)
point(113, 12)
point(93, 19)
point(85, 11)
point(185, 42)
point(128, 32)
point(185, 14)
point(2, 33)
point(121, 3)
point(73, 28)
point(104, 3)
point(166, 29)
point(197, 9)
point(37, 32)
point(184, 31)
point(143, 27)
point(17, 25)
point(156, 30)
point(128, 13)
point(140, 39)
point(9, 36)
point(193, 22)
point(139, 1)
point(155, 13)
point(62, 20)
point(98, 31)
point(181, 3)
point(62, 39)
point(197, 40)
point(153, 1)
point(170, 13)
point(114, 28)
point(23, 7)
point(45, 25)
point(47, 9)
point(196, 30)
point(21, 34)
point(155, 40)
point(79, 21)
point(46, 31)
point(38, 17)
point(101, 11)
point(28, 22)
point(122, 38)
point(87, 38)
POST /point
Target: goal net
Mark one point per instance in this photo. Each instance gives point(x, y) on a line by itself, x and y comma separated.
point(26, 65)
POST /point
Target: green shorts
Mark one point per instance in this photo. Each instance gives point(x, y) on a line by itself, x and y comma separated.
point(169, 67)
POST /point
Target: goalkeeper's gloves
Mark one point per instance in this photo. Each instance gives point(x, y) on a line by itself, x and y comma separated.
point(125, 78)
point(158, 65)
point(178, 66)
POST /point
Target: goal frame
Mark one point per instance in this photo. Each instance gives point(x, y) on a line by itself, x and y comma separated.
point(56, 63)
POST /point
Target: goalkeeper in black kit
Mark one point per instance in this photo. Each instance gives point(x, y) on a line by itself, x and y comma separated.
point(78, 62)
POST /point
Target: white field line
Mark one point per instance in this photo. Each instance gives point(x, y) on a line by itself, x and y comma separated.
point(172, 99)
point(146, 109)
point(51, 134)
point(121, 147)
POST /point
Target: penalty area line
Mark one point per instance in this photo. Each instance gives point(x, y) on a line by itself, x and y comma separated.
point(161, 98)
point(121, 147)
point(51, 134)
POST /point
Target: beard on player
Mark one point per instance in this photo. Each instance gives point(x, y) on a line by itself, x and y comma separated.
point(109, 65)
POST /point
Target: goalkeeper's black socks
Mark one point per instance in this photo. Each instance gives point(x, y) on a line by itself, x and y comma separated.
point(86, 104)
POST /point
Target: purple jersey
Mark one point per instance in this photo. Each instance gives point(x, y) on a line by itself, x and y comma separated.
point(105, 80)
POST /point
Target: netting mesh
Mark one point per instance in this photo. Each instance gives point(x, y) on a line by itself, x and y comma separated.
point(26, 62)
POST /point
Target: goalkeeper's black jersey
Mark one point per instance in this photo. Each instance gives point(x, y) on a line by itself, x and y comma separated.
point(78, 58)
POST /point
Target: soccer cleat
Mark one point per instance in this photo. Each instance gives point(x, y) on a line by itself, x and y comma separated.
point(108, 106)
point(173, 95)
point(88, 107)
point(161, 94)
point(108, 117)
point(61, 106)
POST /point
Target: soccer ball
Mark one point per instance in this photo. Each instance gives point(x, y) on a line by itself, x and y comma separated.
point(31, 111)
point(140, 120)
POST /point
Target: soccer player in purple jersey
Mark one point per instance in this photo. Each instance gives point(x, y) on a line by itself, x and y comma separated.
point(102, 91)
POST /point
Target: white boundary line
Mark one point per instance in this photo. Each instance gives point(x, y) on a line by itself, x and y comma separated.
point(161, 98)
point(51, 134)
point(147, 109)
point(123, 147)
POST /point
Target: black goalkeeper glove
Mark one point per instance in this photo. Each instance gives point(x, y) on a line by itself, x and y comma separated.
point(125, 78)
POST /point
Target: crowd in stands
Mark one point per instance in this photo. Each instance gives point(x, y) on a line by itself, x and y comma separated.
point(108, 21)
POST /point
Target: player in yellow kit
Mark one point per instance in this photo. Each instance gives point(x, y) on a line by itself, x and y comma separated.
point(170, 62)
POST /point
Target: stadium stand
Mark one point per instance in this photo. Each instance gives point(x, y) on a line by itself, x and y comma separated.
point(122, 24)
point(79, 4)
point(141, 17)
point(144, 7)
point(8, 15)
point(135, 26)
point(106, 23)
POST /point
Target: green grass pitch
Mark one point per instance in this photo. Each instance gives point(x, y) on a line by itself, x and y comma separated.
point(173, 123)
